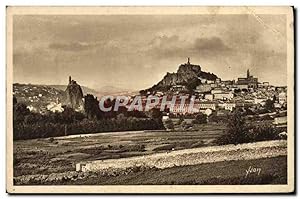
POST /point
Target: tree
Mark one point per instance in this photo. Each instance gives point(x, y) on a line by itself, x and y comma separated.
point(213, 117)
point(269, 106)
point(263, 132)
point(120, 118)
point(193, 84)
point(169, 124)
point(237, 131)
point(143, 92)
point(91, 107)
point(181, 119)
point(200, 119)
point(20, 110)
point(29, 119)
point(156, 114)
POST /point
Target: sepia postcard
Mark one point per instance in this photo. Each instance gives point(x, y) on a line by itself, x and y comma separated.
point(150, 100)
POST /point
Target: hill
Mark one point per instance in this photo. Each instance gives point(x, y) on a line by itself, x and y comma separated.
point(37, 97)
point(188, 76)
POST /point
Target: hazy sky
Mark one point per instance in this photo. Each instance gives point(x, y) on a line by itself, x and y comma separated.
point(135, 52)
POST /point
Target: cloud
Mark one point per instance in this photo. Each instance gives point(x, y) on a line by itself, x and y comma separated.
point(138, 50)
point(174, 46)
point(72, 46)
point(213, 44)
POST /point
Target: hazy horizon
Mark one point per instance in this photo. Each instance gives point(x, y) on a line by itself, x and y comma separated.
point(135, 52)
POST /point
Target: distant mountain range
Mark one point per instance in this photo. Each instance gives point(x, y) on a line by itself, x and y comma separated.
point(105, 90)
point(85, 90)
point(111, 90)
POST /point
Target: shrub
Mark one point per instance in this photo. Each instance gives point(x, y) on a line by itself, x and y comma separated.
point(200, 119)
point(181, 119)
point(238, 132)
point(263, 132)
point(169, 124)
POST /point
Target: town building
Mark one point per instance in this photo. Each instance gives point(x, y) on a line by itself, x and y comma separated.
point(250, 81)
point(229, 106)
point(242, 86)
point(205, 105)
point(282, 98)
point(217, 90)
point(228, 82)
point(209, 97)
point(210, 81)
point(223, 96)
point(260, 100)
point(203, 88)
point(265, 84)
point(214, 85)
point(178, 88)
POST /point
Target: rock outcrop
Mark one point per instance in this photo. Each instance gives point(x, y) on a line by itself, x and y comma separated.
point(74, 95)
point(188, 75)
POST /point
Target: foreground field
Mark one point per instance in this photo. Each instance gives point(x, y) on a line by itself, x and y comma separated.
point(201, 155)
point(56, 155)
point(272, 171)
point(53, 160)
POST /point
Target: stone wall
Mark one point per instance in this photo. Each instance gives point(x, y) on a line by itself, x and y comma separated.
point(191, 156)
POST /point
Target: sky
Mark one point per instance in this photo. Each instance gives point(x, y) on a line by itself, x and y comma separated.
point(135, 52)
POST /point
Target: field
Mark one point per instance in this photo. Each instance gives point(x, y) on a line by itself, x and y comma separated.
point(273, 171)
point(55, 159)
point(55, 155)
